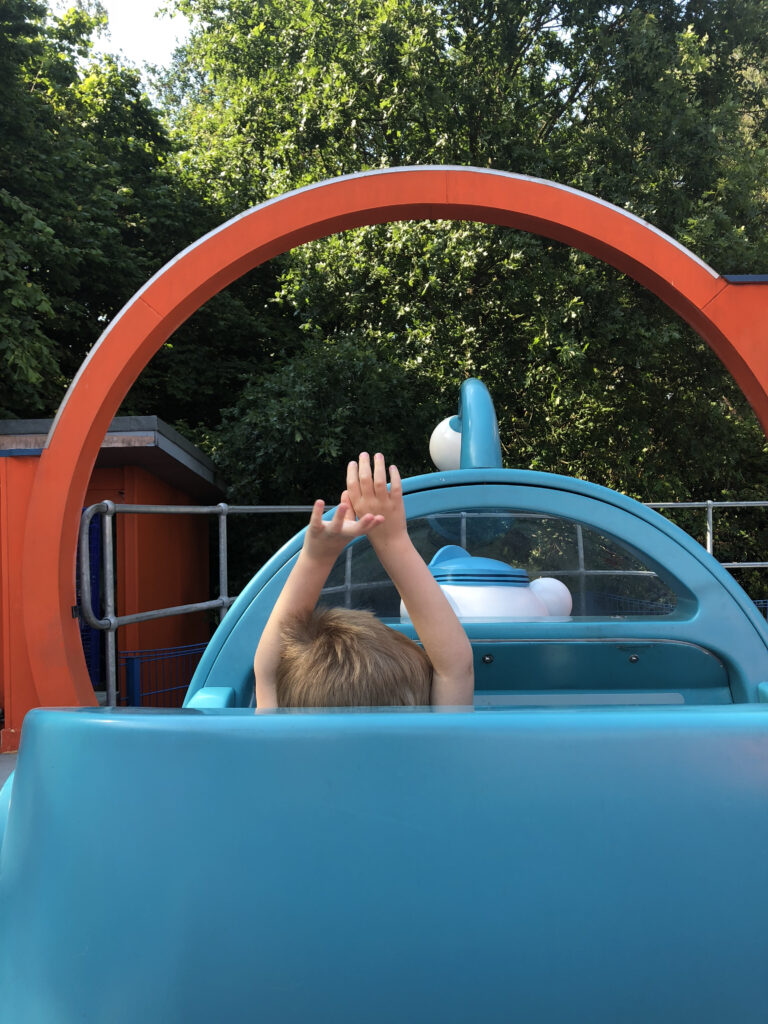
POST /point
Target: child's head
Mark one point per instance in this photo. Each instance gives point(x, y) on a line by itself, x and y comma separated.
point(337, 657)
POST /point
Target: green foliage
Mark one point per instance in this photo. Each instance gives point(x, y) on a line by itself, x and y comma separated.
point(90, 208)
point(289, 436)
point(323, 400)
point(657, 106)
point(570, 350)
point(69, 177)
point(363, 339)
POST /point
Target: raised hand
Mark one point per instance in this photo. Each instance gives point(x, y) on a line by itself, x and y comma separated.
point(326, 538)
point(367, 492)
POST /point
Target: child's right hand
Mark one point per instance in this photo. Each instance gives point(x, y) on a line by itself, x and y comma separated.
point(368, 494)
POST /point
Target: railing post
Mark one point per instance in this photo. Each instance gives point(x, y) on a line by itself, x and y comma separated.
point(582, 568)
point(348, 577)
point(107, 539)
point(223, 568)
point(710, 528)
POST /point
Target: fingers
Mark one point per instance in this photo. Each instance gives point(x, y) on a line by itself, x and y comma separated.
point(331, 535)
point(316, 519)
point(353, 481)
point(366, 481)
point(339, 515)
point(395, 483)
point(379, 475)
point(364, 474)
point(368, 522)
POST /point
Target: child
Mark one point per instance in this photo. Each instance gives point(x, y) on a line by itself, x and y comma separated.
point(338, 657)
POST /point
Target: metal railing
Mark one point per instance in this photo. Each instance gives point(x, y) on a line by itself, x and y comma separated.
point(710, 507)
point(110, 622)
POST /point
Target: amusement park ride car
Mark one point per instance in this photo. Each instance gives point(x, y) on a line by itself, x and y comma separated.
point(587, 843)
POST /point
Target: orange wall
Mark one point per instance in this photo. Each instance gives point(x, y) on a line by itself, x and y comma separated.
point(162, 560)
point(17, 689)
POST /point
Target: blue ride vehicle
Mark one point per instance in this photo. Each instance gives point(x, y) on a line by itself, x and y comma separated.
point(588, 844)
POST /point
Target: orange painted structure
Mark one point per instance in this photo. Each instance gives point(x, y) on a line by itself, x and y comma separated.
point(161, 561)
point(731, 317)
point(17, 687)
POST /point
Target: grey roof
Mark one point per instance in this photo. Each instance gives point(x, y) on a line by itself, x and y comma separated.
point(146, 441)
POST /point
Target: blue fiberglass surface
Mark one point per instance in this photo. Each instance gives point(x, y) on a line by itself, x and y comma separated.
point(480, 443)
point(595, 865)
point(713, 613)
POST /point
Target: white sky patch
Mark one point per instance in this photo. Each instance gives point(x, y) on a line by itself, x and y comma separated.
point(137, 34)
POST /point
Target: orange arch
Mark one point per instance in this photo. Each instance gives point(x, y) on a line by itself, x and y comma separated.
point(728, 316)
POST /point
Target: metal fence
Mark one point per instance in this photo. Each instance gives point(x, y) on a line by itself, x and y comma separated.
point(709, 507)
point(157, 678)
point(92, 639)
point(109, 622)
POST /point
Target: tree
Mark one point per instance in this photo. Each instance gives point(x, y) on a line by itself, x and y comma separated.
point(78, 147)
point(657, 105)
point(290, 434)
point(91, 208)
point(29, 358)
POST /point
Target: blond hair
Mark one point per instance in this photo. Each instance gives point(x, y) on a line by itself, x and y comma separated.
point(338, 657)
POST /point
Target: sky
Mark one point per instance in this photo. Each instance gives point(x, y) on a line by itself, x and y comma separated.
point(140, 36)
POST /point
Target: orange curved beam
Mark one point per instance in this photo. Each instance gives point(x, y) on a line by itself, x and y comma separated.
point(729, 317)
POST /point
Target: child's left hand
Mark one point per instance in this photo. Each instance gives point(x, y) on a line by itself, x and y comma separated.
point(325, 539)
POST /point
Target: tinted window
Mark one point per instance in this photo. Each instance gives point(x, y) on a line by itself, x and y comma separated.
point(604, 576)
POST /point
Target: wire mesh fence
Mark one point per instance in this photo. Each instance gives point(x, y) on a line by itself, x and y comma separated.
point(158, 678)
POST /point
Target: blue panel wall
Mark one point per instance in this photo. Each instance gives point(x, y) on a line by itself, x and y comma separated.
point(593, 865)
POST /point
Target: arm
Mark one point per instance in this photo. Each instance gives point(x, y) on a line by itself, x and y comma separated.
point(436, 624)
point(323, 543)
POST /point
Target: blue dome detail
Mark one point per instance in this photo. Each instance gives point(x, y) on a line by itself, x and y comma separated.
point(454, 566)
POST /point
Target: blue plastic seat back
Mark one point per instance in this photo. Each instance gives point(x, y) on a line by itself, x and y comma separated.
point(594, 865)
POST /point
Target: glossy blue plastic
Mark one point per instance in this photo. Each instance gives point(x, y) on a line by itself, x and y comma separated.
point(454, 565)
point(480, 444)
point(590, 864)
